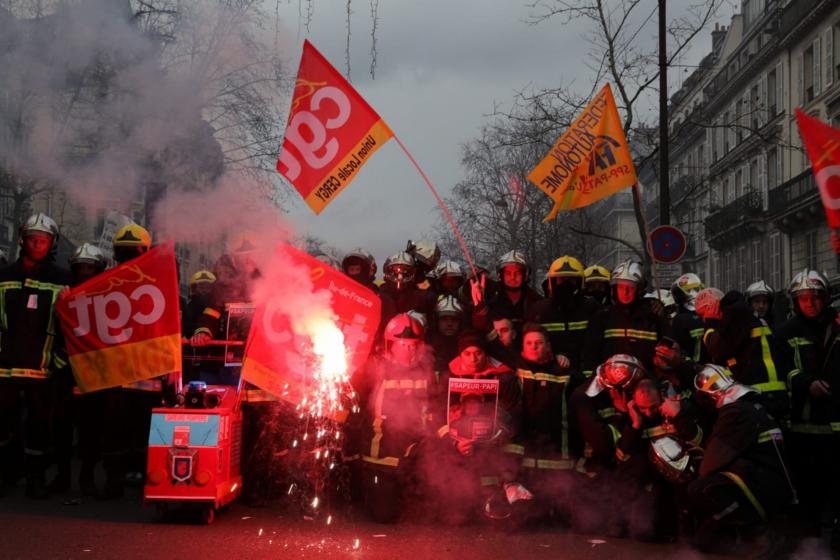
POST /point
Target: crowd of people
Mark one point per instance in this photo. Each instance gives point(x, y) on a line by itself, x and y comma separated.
point(594, 401)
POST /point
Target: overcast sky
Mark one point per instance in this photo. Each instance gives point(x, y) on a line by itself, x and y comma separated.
point(441, 68)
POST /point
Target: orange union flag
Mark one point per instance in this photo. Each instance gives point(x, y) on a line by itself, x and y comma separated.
point(331, 132)
point(823, 145)
point(122, 325)
point(590, 161)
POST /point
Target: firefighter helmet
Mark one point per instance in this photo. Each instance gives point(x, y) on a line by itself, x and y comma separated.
point(707, 302)
point(620, 371)
point(425, 252)
point(202, 277)
point(88, 253)
point(685, 289)
point(713, 380)
point(662, 295)
point(403, 326)
point(132, 235)
point(566, 267)
point(449, 268)
point(760, 288)
point(808, 280)
point(513, 257)
point(449, 306)
point(399, 269)
point(362, 257)
point(596, 273)
point(628, 271)
point(39, 223)
point(669, 456)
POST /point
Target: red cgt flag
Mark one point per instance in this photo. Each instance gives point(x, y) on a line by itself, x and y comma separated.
point(275, 355)
point(331, 132)
point(823, 145)
point(122, 325)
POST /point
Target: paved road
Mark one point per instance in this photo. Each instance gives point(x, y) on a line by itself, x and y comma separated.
point(125, 529)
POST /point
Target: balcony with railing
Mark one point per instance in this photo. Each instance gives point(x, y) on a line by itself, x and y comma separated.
point(795, 203)
point(742, 217)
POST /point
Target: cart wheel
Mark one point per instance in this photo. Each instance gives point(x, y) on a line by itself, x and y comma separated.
point(208, 514)
point(162, 511)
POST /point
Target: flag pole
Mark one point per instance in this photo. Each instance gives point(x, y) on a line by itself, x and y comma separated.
point(442, 206)
point(648, 243)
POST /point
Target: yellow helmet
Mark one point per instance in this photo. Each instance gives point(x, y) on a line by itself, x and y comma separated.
point(566, 267)
point(132, 235)
point(596, 273)
point(202, 277)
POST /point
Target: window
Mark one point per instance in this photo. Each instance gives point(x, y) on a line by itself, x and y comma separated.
point(756, 260)
point(773, 179)
point(811, 250)
point(715, 269)
point(808, 85)
point(828, 53)
point(743, 261)
point(776, 272)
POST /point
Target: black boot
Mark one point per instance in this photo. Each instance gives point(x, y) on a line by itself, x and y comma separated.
point(60, 483)
point(36, 481)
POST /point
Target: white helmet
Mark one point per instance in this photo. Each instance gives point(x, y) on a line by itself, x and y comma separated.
point(39, 223)
point(760, 288)
point(685, 289)
point(449, 306)
point(662, 295)
point(87, 253)
point(449, 268)
point(717, 382)
point(399, 270)
point(809, 280)
point(425, 252)
point(362, 257)
point(628, 271)
point(513, 257)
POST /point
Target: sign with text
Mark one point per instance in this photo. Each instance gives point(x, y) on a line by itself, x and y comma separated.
point(123, 325)
point(278, 359)
point(330, 134)
point(473, 405)
point(590, 161)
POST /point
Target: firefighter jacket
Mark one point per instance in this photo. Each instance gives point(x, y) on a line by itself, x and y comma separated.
point(396, 301)
point(622, 329)
point(746, 446)
point(567, 323)
point(687, 328)
point(547, 437)
point(397, 415)
point(745, 345)
point(499, 304)
point(815, 353)
point(31, 344)
point(596, 418)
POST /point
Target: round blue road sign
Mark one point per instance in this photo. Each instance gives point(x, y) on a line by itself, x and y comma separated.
point(668, 244)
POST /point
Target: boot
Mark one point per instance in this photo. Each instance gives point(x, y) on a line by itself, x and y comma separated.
point(86, 480)
point(36, 480)
point(60, 483)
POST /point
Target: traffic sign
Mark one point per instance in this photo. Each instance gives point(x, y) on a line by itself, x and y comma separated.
point(668, 244)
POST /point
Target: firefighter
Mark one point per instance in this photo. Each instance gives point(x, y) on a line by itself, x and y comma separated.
point(127, 408)
point(546, 443)
point(200, 289)
point(743, 480)
point(760, 299)
point(449, 279)
point(738, 340)
point(471, 447)
point(627, 326)
point(400, 293)
point(513, 298)
point(687, 328)
point(596, 284)
point(360, 265)
point(395, 396)
point(443, 339)
point(599, 409)
point(651, 508)
point(84, 410)
point(662, 304)
point(426, 255)
point(566, 312)
point(30, 348)
point(814, 435)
